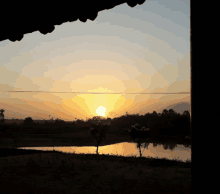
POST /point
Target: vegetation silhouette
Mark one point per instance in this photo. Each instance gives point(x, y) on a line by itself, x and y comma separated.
point(28, 121)
point(2, 116)
point(139, 134)
point(165, 127)
point(139, 128)
point(98, 132)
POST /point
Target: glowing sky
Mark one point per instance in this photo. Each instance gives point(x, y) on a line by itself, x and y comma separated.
point(124, 50)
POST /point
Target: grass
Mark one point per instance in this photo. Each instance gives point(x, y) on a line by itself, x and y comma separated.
point(33, 171)
point(56, 172)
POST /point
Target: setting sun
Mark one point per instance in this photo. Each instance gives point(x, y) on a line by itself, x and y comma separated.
point(101, 111)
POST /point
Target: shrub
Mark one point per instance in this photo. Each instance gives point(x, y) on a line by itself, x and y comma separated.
point(139, 132)
point(28, 121)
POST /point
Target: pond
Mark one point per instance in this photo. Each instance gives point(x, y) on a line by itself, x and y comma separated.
point(178, 151)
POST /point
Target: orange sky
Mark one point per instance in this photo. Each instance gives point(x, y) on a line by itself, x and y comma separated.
point(124, 50)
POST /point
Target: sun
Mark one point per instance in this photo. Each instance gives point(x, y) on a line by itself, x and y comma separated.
point(101, 111)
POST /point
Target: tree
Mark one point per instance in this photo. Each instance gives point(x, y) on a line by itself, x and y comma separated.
point(98, 132)
point(165, 112)
point(186, 113)
point(154, 113)
point(134, 131)
point(139, 134)
point(140, 145)
point(171, 112)
point(59, 121)
point(2, 116)
point(28, 121)
point(80, 122)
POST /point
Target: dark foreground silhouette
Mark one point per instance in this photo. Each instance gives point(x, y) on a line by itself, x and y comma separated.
point(55, 172)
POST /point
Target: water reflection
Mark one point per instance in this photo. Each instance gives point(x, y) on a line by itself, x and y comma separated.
point(170, 151)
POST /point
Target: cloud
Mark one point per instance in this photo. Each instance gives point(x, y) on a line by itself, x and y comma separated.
point(179, 86)
point(158, 81)
point(144, 81)
point(34, 108)
point(5, 87)
point(169, 72)
point(49, 84)
point(9, 76)
point(33, 68)
point(17, 81)
point(25, 83)
point(184, 68)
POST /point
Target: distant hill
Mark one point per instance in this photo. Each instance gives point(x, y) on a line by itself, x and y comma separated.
point(178, 107)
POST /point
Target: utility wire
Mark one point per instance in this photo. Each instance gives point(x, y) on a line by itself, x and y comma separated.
point(97, 92)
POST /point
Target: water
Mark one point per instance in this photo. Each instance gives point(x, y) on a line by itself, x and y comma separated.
point(178, 151)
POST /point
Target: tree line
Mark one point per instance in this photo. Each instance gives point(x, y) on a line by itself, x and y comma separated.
point(167, 123)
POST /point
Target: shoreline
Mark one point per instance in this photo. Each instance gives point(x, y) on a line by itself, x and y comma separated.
point(79, 141)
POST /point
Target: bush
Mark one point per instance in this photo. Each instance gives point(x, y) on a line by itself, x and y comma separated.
point(28, 121)
point(139, 132)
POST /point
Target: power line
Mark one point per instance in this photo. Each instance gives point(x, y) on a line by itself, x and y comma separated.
point(99, 92)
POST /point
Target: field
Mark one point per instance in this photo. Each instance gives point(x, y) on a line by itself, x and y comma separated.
point(30, 171)
point(55, 172)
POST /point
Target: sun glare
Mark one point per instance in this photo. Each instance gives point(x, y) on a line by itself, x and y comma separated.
point(101, 111)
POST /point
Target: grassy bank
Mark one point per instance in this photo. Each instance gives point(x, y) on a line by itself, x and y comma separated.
point(55, 172)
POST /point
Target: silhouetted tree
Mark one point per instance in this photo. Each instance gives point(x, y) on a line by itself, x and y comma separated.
point(28, 121)
point(98, 132)
point(171, 112)
point(138, 132)
point(80, 122)
point(59, 121)
point(2, 116)
point(165, 112)
point(154, 113)
point(186, 113)
point(139, 145)
point(109, 121)
point(169, 146)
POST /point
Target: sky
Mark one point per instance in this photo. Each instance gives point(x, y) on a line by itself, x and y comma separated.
point(124, 50)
